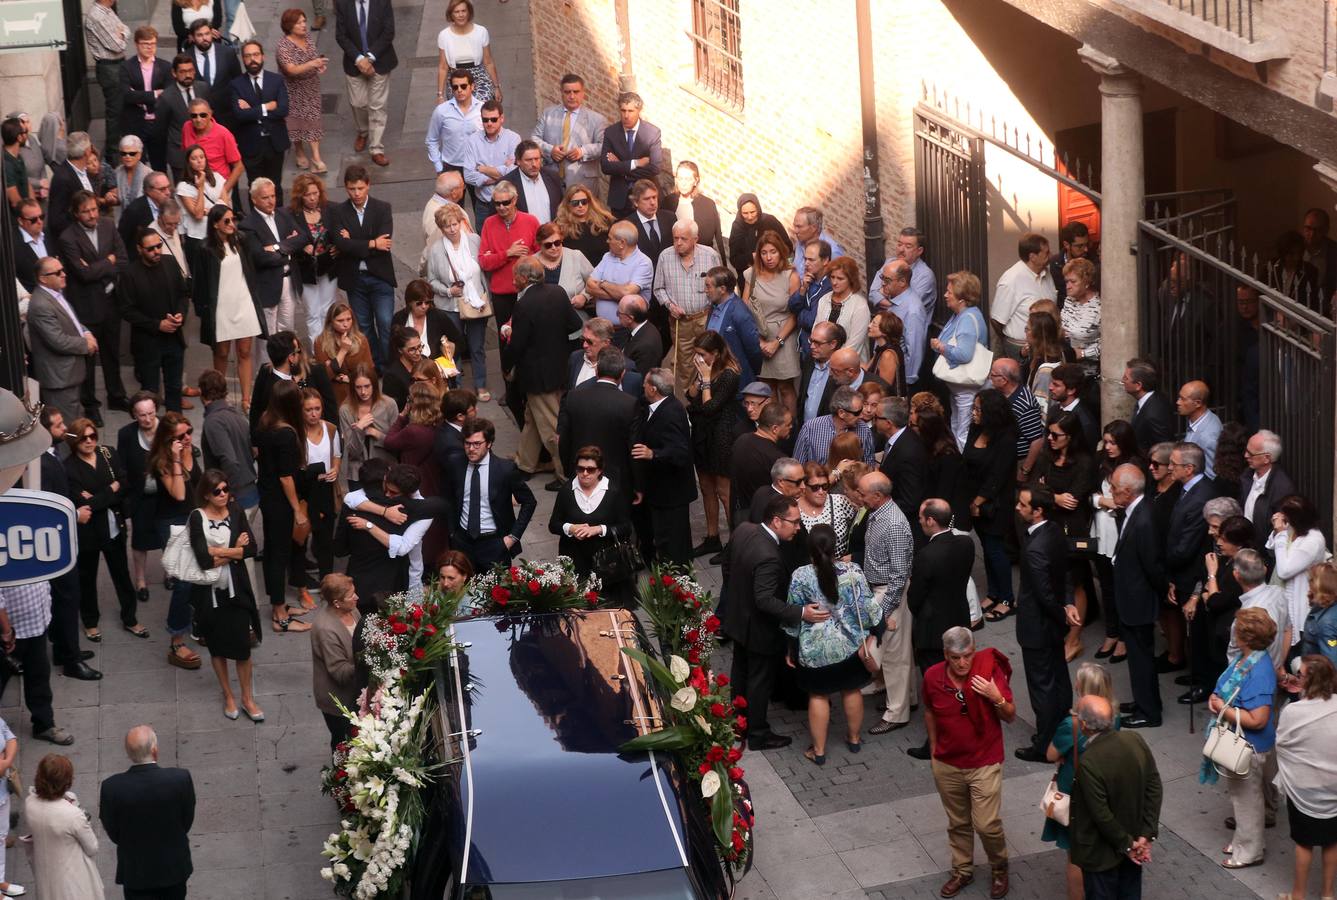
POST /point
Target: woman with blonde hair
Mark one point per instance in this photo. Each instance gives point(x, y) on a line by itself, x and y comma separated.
point(333, 670)
point(584, 222)
point(1319, 634)
point(364, 419)
point(457, 287)
point(964, 335)
point(342, 348)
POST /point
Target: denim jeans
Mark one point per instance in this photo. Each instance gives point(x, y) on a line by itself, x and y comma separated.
point(475, 330)
point(179, 614)
point(997, 567)
point(373, 302)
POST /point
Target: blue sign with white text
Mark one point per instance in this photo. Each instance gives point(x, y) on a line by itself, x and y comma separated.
point(38, 540)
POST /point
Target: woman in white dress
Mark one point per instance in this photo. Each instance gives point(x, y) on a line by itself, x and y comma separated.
point(64, 847)
point(464, 44)
point(229, 313)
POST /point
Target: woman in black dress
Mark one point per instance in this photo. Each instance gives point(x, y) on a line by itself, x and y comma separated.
point(278, 444)
point(584, 222)
point(983, 498)
point(748, 226)
point(225, 612)
point(174, 462)
point(886, 332)
point(712, 405)
point(97, 487)
point(590, 514)
point(140, 490)
point(944, 462)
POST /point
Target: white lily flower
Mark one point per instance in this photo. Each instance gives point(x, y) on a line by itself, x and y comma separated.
point(684, 700)
point(710, 783)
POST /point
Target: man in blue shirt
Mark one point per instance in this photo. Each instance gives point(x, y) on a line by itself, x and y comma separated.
point(488, 156)
point(923, 283)
point(809, 227)
point(733, 321)
point(814, 284)
point(453, 121)
point(895, 294)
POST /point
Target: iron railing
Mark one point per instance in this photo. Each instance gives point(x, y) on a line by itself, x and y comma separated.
point(1235, 16)
point(717, 36)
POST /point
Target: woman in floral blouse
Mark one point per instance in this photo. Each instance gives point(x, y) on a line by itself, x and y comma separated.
point(827, 655)
point(1081, 314)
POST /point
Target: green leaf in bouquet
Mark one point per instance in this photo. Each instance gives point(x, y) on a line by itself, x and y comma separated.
point(721, 809)
point(675, 737)
point(654, 667)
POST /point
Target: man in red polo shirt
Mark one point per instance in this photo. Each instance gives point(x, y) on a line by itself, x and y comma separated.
point(220, 147)
point(966, 699)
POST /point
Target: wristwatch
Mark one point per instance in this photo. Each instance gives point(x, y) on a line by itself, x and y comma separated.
point(370, 526)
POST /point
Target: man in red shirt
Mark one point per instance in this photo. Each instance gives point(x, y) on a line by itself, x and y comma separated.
point(220, 147)
point(504, 238)
point(966, 699)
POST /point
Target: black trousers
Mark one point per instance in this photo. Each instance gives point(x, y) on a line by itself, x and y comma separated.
point(174, 892)
point(31, 654)
point(338, 727)
point(279, 521)
point(160, 361)
point(1202, 665)
point(64, 628)
point(753, 675)
point(108, 334)
point(113, 551)
point(665, 533)
point(927, 659)
point(1123, 882)
point(109, 80)
point(484, 552)
point(1050, 689)
point(1140, 640)
point(268, 163)
point(1109, 610)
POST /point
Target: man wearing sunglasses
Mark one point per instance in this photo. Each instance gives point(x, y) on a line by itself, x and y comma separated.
point(29, 243)
point(61, 346)
point(453, 121)
point(488, 155)
point(153, 301)
point(220, 147)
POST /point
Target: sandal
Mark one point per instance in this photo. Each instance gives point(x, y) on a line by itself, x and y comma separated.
point(188, 660)
point(994, 615)
point(302, 163)
point(812, 756)
point(282, 626)
point(319, 168)
point(854, 746)
point(92, 634)
point(484, 396)
point(138, 631)
point(988, 604)
point(1232, 864)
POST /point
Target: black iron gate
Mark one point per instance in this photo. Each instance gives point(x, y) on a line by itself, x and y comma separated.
point(950, 205)
point(73, 68)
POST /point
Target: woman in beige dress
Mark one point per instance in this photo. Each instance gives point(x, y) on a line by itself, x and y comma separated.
point(767, 286)
point(64, 847)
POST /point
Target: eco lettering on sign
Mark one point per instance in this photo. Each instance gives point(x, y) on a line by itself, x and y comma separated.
point(38, 536)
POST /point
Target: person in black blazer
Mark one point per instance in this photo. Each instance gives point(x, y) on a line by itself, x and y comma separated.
point(367, 240)
point(153, 301)
point(148, 811)
point(1261, 454)
point(370, 565)
point(66, 182)
point(631, 151)
point(632, 378)
point(603, 415)
point(905, 462)
point(29, 243)
point(583, 534)
point(1065, 388)
point(174, 108)
point(182, 20)
point(481, 481)
point(273, 241)
point(828, 337)
point(644, 347)
point(663, 522)
point(705, 212)
point(1139, 585)
point(439, 323)
point(91, 279)
point(286, 355)
point(262, 120)
point(1186, 543)
point(1044, 613)
point(216, 66)
point(529, 165)
point(938, 581)
point(140, 100)
point(1154, 414)
point(646, 210)
point(758, 608)
point(542, 319)
point(143, 210)
point(369, 58)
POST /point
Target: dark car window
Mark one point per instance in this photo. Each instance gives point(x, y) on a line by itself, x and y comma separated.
point(669, 884)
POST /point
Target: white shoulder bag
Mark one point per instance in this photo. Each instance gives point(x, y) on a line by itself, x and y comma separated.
point(178, 558)
point(1228, 750)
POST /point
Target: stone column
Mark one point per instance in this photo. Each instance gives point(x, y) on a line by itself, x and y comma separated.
point(30, 82)
point(1122, 190)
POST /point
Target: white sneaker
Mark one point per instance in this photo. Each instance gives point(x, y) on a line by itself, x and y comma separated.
point(14, 890)
point(872, 688)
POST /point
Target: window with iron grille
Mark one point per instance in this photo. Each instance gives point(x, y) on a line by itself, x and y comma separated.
point(717, 37)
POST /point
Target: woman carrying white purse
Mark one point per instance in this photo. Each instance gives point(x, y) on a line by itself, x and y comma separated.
point(963, 350)
point(1244, 695)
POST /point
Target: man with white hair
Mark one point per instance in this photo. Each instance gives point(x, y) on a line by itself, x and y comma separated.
point(644, 345)
point(67, 179)
point(142, 211)
point(680, 288)
point(623, 270)
point(809, 226)
point(1261, 490)
point(272, 237)
point(148, 811)
point(1139, 585)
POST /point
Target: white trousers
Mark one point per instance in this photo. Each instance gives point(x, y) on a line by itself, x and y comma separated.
point(963, 398)
point(318, 298)
point(284, 316)
point(898, 660)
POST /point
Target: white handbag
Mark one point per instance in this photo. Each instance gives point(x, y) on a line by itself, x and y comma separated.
point(1228, 750)
point(178, 559)
point(971, 374)
point(1054, 803)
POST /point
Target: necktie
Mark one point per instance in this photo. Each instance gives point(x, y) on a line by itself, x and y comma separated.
point(566, 136)
point(654, 232)
point(631, 139)
point(190, 95)
point(362, 24)
point(204, 58)
point(258, 97)
point(475, 510)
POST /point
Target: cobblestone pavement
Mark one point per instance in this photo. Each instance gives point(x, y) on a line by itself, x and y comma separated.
point(869, 824)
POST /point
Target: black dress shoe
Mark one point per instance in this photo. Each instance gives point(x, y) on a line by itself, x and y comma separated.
point(1194, 695)
point(120, 404)
point(96, 419)
point(1128, 707)
point(83, 672)
point(554, 485)
point(717, 559)
point(1140, 721)
point(1184, 680)
point(1029, 754)
point(769, 741)
point(1163, 664)
point(920, 752)
point(1118, 658)
point(86, 655)
point(710, 544)
point(1102, 653)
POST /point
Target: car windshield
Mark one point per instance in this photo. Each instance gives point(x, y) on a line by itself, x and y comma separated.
point(669, 884)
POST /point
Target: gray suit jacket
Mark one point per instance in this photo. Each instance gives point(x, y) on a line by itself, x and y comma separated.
point(587, 131)
point(59, 352)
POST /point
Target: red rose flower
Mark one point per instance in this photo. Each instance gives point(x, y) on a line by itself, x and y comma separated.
point(696, 604)
point(353, 731)
point(393, 618)
point(715, 753)
point(718, 709)
point(735, 774)
point(693, 657)
point(721, 679)
point(712, 624)
point(399, 628)
point(419, 653)
point(592, 597)
point(433, 609)
point(500, 595)
point(692, 636)
point(538, 571)
point(740, 703)
point(340, 774)
point(514, 573)
point(429, 629)
point(703, 768)
point(741, 723)
point(667, 580)
point(738, 843)
point(533, 586)
point(734, 755)
point(341, 747)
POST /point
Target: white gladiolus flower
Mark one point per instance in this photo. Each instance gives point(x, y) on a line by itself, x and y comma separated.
point(684, 700)
point(710, 783)
point(679, 669)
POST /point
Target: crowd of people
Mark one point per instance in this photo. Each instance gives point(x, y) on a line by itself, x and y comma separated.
point(852, 440)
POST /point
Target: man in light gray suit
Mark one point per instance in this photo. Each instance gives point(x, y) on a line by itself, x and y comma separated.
point(570, 134)
point(60, 344)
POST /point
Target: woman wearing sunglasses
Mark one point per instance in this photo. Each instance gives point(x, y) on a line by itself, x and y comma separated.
point(589, 515)
point(98, 487)
point(225, 612)
point(564, 266)
point(175, 464)
point(584, 223)
point(225, 299)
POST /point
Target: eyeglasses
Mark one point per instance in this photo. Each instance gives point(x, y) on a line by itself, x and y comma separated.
point(219, 491)
point(1055, 435)
point(580, 201)
point(151, 248)
point(37, 218)
point(129, 153)
point(1249, 454)
point(792, 521)
point(792, 480)
point(185, 434)
point(92, 436)
point(587, 470)
point(475, 443)
point(53, 274)
point(825, 486)
point(490, 118)
point(226, 220)
point(200, 115)
point(961, 698)
point(460, 86)
point(503, 202)
point(1175, 465)
point(413, 348)
point(1158, 465)
point(586, 341)
point(548, 245)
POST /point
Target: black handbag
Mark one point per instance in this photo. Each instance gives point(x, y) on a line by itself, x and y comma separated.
point(1083, 546)
point(617, 561)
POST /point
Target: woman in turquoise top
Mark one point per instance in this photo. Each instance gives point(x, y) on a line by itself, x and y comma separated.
point(963, 331)
point(1092, 679)
point(827, 652)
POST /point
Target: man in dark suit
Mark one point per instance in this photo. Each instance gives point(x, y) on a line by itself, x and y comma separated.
point(283, 350)
point(67, 179)
point(143, 210)
point(938, 580)
point(643, 346)
point(457, 407)
point(484, 486)
point(174, 109)
point(147, 811)
point(1262, 488)
point(654, 226)
point(662, 519)
point(216, 66)
point(29, 243)
point(816, 385)
point(363, 229)
point(1139, 585)
point(365, 32)
point(153, 300)
point(531, 181)
point(1186, 545)
point(94, 258)
point(631, 151)
point(1154, 415)
point(1066, 383)
point(139, 99)
point(905, 462)
point(272, 240)
point(1044, 613)
point(260, 109)
point(364, 531)
point(595, 337)
point(604, 415)
point(757, 610)
point(542, 319)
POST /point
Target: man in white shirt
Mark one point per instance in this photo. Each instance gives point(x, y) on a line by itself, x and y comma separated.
point(452, 122)
point(539, 192)
point(569, 135)
point(1027, 281)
